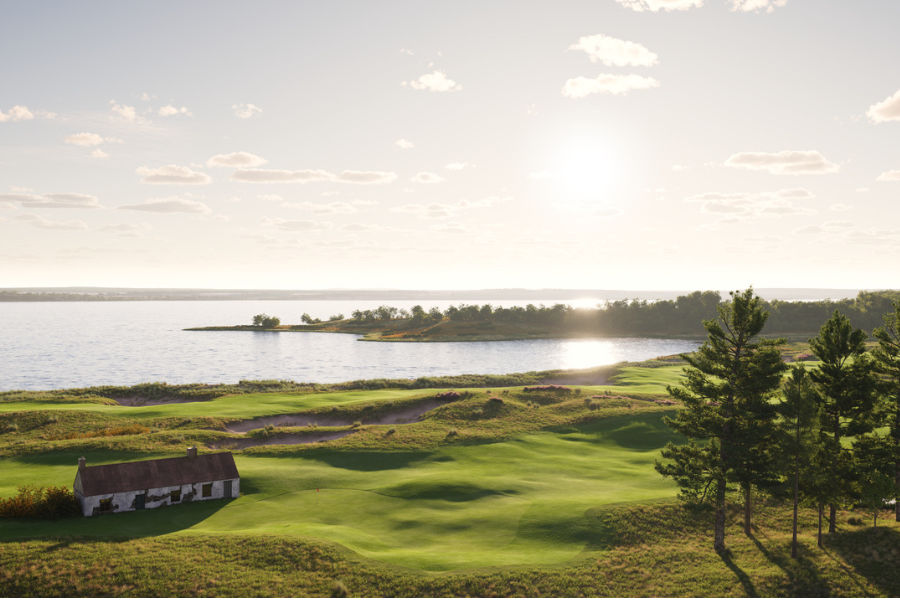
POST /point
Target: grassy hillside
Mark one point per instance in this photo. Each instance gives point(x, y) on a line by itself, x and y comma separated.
point(540, 490)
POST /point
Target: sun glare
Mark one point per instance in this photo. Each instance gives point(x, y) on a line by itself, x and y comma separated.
point(587, 170)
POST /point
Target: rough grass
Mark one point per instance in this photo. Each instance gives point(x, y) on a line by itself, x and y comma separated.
point(504, 492)
point(647, 551)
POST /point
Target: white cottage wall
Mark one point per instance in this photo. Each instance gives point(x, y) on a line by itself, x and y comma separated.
point(157, 497)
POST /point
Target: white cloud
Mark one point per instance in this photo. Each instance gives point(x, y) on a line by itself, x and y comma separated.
point(17, 113)
point(125, 229)
point(336, 207)
point(404, 144)
point(361, 227)
point(236, 159)
point(757, 5)
point(288, 225)
point(171, 204)
point(539, 175)
point(66, 200)
point(365, 177)
point(615, 52)
point(170, 111)
point(436, 81)
point(786, 162)
point(123, 111)
point(451, 228)
point(39, 221)
point(886, 110)
point(99, 153)
point(892, 175)
point(607, 211)
point(742, 205)
point(84, 139)
point(606, 83)
point(658, 5)
point(456, 166)
point(426, 177)
point(172, 174)
point(245, 111)
point(311, 175)
point(427, 211)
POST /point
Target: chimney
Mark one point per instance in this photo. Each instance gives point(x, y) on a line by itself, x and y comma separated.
point(192, 452)
point(81, 463)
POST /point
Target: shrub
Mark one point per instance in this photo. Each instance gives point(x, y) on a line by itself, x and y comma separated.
point(495, 400)
point(42, 503)
point(557, 389)
point(338, 589)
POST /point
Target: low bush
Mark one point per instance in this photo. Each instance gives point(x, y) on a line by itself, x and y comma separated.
point(41, 503)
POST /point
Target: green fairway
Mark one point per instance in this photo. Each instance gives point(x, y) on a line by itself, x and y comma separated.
point(522, 501)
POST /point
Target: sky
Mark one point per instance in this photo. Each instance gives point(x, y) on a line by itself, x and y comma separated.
point(598, 144)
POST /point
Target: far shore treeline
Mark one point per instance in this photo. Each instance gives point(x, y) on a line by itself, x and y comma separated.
point(683, 316)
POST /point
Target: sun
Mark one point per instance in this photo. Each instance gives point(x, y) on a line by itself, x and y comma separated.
point(587, 170)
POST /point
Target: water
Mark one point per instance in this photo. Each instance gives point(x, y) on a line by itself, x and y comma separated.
point(49, 345)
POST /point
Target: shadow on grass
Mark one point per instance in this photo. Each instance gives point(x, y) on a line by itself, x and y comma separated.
point(119, 526)
point(452, 492)
point(803, 573)
point(873, 553)
point(361, 460)
point(642, 431)
point(94, 457)
point(749, 588)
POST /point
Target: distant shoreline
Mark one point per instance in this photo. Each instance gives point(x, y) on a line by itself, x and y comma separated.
point(97, 294)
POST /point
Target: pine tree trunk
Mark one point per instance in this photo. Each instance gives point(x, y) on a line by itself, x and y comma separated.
point(875, 520)
point(719, 536)
point(832, 510)
point(796, 502)
point(748, 499)
point(821, 510)
point(897, 488)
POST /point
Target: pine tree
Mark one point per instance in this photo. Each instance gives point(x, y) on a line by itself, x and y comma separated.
point(729, 381)
point(887, 363)
point(847, 390)
point(800, 448)
point(875, 471)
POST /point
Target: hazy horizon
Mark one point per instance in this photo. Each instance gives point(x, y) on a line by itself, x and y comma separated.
point(599, 145)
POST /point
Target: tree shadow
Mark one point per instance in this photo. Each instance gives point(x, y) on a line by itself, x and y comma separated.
point(802, 572)
point(872, 553)
point(749, 588)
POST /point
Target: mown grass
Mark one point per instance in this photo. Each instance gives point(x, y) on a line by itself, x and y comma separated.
point(636, 551)
point(505, 492)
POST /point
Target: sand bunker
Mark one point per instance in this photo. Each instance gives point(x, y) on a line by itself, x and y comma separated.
point(409, 413)
point(282, 439)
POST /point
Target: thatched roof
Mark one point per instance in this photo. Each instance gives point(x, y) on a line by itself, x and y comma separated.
point(163, 472)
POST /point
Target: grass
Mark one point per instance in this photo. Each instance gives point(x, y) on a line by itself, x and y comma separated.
point(501, 493)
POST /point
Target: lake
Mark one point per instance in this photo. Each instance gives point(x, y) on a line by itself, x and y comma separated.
point(49, 345)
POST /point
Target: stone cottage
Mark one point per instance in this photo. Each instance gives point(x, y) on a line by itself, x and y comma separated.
point(123, 487)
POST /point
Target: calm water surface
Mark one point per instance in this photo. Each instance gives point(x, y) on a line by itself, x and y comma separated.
point(47, 345)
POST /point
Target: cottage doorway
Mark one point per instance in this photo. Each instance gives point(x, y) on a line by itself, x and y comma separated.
point(139, 501)
point(228, 489)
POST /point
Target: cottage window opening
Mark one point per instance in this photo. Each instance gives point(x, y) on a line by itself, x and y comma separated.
point(105, 504)
point(175, 495)
point(207, 490)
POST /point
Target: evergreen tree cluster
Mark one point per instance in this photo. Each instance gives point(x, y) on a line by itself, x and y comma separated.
point(828, 435)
